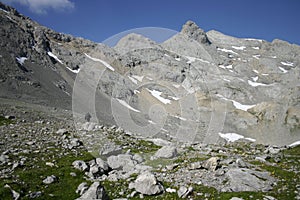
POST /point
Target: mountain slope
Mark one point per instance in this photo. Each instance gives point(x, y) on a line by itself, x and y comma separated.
point(194, 86)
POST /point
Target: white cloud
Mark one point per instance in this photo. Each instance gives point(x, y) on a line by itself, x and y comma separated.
point(41, 6)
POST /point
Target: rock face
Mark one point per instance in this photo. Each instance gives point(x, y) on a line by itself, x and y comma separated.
point(207, 82)
point(247, 180)
point(95, 191)
point(147, 184)
point(166, 152)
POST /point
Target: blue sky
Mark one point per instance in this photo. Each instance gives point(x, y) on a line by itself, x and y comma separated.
point(98, 20)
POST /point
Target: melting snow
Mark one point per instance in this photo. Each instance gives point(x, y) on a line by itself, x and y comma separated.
point(76, 71)
point(294, 144)
point(151, 122)
point(139, 78)
point(252, 39)
point(102, 61)
point(133, 80)
point(157, 94)
point(225, 67)
point(240, 106)
point(255, 78)
point(256, 48)
point(288, 64)
point(150, 79)
point(283, 70)
point(136, 92)
point(176, 85)
point(124, 103)
point(239, 48)
point(232, 137)
point(174, 98)
point(236, 104)
point(181, 118)
point(254, 84)
point(21, 60)
point(256, 56)
point(4, 10)
point(55, 57)
point(226, 50)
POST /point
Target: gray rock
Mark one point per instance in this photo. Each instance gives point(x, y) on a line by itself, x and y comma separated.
point(80, 165)
point(62, 131)
point(49, 179)
point(15, 194)
point(110, 149)
point(101, 163)
point(147, 184)
point(123, 161)
point(166, 152)
point(183, 191)
point(195, 165)
point(95, 191)
point(240, 179)
point(34, 195)
point(82, 188)
point(211, 164)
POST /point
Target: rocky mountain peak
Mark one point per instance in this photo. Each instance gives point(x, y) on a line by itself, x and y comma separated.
point(191, 29)
point(134, 41)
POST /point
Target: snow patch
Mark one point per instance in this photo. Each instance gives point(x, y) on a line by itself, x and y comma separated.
point(265, 74)
point(294, 144)
point(225, 67)
point(256, 48)
point(254, 84)
point(21, 60)
point(283, 70)
point(236, 104)
point(139, 78)
point(133, 80)
point(255, 78)
point(239, 48)
point(226, 50)
point(157, 94)
point(178, 59)
point(4, 10)
point(181, 118)
point(136, 92)
point(176, 85)
point(240, 106)
point(124, 103)
point(76, 71)
point(287, 64)
point(101, 61)
point(226, 80)
point(256, 56)
point(255, 71)
point(253, 39)
point(232, 137)
point(54, 56)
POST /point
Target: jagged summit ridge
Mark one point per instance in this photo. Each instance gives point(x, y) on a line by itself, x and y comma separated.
point(191, 29)
point(134, 41)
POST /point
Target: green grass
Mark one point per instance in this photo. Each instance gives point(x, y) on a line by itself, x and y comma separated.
point(29, 178)
point(4, 121)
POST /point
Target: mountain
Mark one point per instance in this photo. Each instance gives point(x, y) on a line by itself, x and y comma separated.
point(196, 86)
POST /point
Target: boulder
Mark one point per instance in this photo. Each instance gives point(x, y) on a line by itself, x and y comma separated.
point(95, 191)
point(166, 152)
point(80, 165)
point(147, 184)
